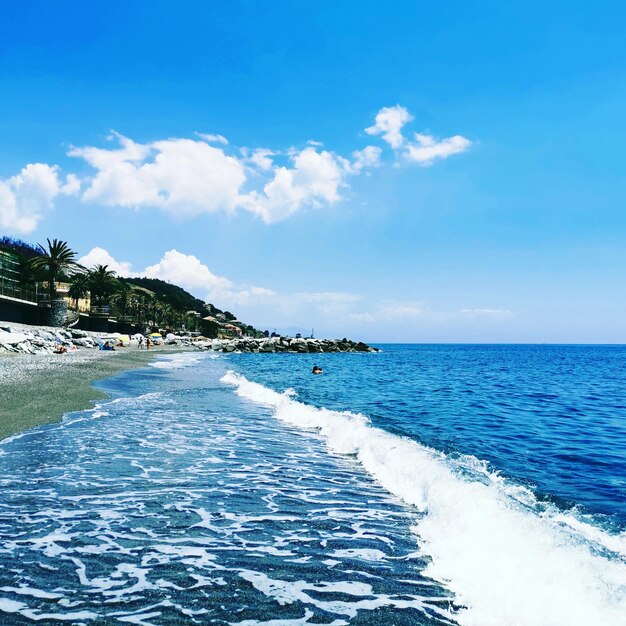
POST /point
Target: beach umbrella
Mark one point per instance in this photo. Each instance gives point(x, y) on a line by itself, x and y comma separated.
point(156, 338)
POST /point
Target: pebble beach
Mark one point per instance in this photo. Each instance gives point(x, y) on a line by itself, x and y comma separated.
point(39, 388)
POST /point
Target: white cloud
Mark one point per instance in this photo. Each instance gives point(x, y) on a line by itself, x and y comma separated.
point(182, 176)
point(25, 197)
point(398, 310)
point(190, 177)
point(214, 138)
point(368, 157)
point(71, 186)
point(389, 311)
point(269, 308)
point(345, 312)
point(184, 270)
point(314, 179)
point(424, 149)
point(186, 178)
point(226, 298)
point(388, 123)
point(427, 148)
point(261, 158)
point(261, 291)
point(339, 309)
point(281, 301)
point(187, 271)
point(325, 296)
point(100, 256)
point(487, 312)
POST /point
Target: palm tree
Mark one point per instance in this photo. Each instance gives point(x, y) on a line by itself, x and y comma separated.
point(125, 297)
point(102, 283)
point(79, 287)
point(57, 258)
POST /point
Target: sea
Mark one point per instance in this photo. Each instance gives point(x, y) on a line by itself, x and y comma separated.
point(479, 485)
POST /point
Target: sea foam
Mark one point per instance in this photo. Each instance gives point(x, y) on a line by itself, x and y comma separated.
point(507, 558)
point(179, 360)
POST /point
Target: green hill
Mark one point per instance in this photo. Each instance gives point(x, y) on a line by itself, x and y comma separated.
point(173, 295)
point(176, 297)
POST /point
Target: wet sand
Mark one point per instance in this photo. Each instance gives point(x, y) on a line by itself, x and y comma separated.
point(38, 389)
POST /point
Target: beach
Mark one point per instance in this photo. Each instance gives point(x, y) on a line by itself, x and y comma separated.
point(38, 389)
point(418, 485)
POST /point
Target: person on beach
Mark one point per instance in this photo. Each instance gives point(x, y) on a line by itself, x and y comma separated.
point(60, 349)
point(140, 342)
point(148, 342)
point(317, 370)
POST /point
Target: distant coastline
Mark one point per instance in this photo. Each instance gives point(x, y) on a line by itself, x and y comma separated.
point(38, 386)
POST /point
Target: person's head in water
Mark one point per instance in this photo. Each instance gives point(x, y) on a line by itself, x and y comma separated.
point(317, 370)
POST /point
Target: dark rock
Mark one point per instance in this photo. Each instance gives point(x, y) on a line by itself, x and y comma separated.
point(55, 314)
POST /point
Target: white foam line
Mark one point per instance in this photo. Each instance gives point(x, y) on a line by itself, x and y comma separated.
point(98, 410)
point(84, 415)
point(287, 622)
point(506, 564)
point(12, 606)
point(363, 597)
point(12, 438)
point(179, 360)
point(35, 593)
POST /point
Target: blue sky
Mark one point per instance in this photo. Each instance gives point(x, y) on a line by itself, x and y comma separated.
point(502, 220)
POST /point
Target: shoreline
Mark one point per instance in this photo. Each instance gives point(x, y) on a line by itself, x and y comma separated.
point(40, 389)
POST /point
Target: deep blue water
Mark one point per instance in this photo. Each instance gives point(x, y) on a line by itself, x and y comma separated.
point(479, 485)
point(553, 417)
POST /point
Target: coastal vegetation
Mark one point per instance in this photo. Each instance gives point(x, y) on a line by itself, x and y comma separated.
point(47, 273)
point(55, 259)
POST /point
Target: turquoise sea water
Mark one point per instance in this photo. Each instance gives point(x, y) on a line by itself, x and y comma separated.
point(421, 485)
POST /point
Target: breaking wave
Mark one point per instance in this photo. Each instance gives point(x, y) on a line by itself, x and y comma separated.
point(508, 557)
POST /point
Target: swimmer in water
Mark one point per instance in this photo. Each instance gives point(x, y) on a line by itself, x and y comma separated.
point(317, 370)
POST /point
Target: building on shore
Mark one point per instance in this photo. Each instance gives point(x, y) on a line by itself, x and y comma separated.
point(10, 285)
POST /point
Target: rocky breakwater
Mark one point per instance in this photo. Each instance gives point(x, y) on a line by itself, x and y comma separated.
point(284, 344)
point(42, 340)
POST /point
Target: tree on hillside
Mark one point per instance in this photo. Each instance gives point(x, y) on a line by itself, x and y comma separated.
point(125, 298)
point(172, 294)
point(168, 314)
point(158, 306)
point(19, 247)
point(142, 303)
point(55, 259)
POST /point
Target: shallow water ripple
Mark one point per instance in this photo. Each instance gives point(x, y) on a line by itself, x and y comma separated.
point(179, 507)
